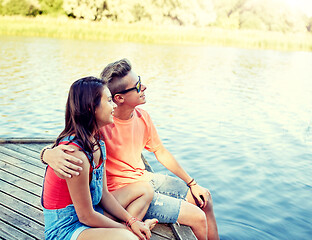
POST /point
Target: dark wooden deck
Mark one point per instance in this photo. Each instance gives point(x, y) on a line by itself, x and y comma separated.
point(21, 177)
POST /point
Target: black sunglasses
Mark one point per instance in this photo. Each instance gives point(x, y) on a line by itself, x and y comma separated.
point(137, 87)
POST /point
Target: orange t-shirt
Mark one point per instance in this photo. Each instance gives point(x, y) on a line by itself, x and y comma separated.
point(125, 140)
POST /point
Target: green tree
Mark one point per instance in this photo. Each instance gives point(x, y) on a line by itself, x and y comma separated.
point(51, 6)
point(186, 12)
point(1, 7)
point(139, 13)
point(228, 13)
point(182, 12)
point(86, 9)
point(309, 24)
point(272, 15)
point(20, 7)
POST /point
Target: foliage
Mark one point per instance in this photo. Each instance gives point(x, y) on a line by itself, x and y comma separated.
point(1, 8)
point(30, 7)
point(20, 7)
point(180, 12)
point(51, 6)
point(267, 15)
point(271, 15)
point(309, 24)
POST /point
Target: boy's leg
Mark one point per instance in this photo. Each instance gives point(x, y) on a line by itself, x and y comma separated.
point(169, 192)
point(194, 217)
point(210, 217)
point(169, 209)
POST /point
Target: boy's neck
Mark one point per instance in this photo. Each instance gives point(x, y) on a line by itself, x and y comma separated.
point(123, 113)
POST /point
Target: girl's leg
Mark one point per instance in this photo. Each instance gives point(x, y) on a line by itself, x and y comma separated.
point(106, 233)
point(135, 198)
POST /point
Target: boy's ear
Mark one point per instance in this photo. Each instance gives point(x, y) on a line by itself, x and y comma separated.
point(118, 99)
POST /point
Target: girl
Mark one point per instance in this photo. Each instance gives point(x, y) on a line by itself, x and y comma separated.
point(74, 207)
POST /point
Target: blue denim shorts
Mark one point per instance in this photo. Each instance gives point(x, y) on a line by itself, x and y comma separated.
point(67, 225)
point(168, 195)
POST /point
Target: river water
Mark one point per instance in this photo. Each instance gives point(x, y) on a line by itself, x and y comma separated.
point(238, 120)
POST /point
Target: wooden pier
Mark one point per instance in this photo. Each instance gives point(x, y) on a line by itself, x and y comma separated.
point(21, 178)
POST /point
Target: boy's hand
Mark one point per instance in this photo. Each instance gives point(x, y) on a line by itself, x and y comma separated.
point(61, 162)
point(141, 230)
point(201, 195)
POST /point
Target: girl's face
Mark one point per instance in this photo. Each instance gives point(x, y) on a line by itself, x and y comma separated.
point(104, 112)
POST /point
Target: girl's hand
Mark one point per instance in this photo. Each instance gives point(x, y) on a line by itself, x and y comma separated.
point(141, 230)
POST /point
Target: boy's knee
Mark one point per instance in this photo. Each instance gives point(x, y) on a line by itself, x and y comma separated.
point(198, 220)
point(193, 216)
point(201, 217)
point(147, 191)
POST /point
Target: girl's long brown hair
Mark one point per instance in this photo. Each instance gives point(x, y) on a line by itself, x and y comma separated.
point(83, 98)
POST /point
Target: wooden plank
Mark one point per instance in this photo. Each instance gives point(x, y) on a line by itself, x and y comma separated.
point(7, 232)
point(21, 223)
point(13, 152)
point(162, 231)
point(20, 194)
point(22, 183)
point(148, 167)
point(36, 147)
point(21, 173)
point(182, 232)
point(25, 140)
point(27, 152)
point(23, 208)
point(15, 162)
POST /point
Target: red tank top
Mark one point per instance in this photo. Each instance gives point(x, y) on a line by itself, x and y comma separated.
point(55, 192)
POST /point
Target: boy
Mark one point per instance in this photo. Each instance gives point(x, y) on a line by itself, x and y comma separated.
point(133, 130)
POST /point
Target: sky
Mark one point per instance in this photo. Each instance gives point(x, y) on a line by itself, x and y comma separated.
point(303, 5)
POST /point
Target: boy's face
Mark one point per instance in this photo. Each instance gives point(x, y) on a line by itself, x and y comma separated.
point(133, 98)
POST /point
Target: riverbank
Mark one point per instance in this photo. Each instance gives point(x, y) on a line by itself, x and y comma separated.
point(80, 29)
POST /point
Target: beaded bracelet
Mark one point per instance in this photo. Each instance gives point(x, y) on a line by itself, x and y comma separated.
point(41, 154)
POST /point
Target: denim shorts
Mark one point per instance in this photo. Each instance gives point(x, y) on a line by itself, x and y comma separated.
point(66, 223)
point(168, 195)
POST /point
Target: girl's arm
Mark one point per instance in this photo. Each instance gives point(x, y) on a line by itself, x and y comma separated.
point(80, 194)
point(112, 206)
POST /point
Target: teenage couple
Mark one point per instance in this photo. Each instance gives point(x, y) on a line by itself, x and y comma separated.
point(97, 190)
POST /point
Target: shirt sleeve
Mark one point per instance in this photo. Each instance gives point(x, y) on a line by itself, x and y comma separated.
point(153, 142)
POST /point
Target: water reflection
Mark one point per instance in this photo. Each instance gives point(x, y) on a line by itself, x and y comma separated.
point(238, 120)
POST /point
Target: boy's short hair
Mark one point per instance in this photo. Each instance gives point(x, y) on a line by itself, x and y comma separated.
point(112, 74)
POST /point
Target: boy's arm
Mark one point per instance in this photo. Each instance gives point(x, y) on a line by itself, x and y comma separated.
point(168, 161)
point(60, 161)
